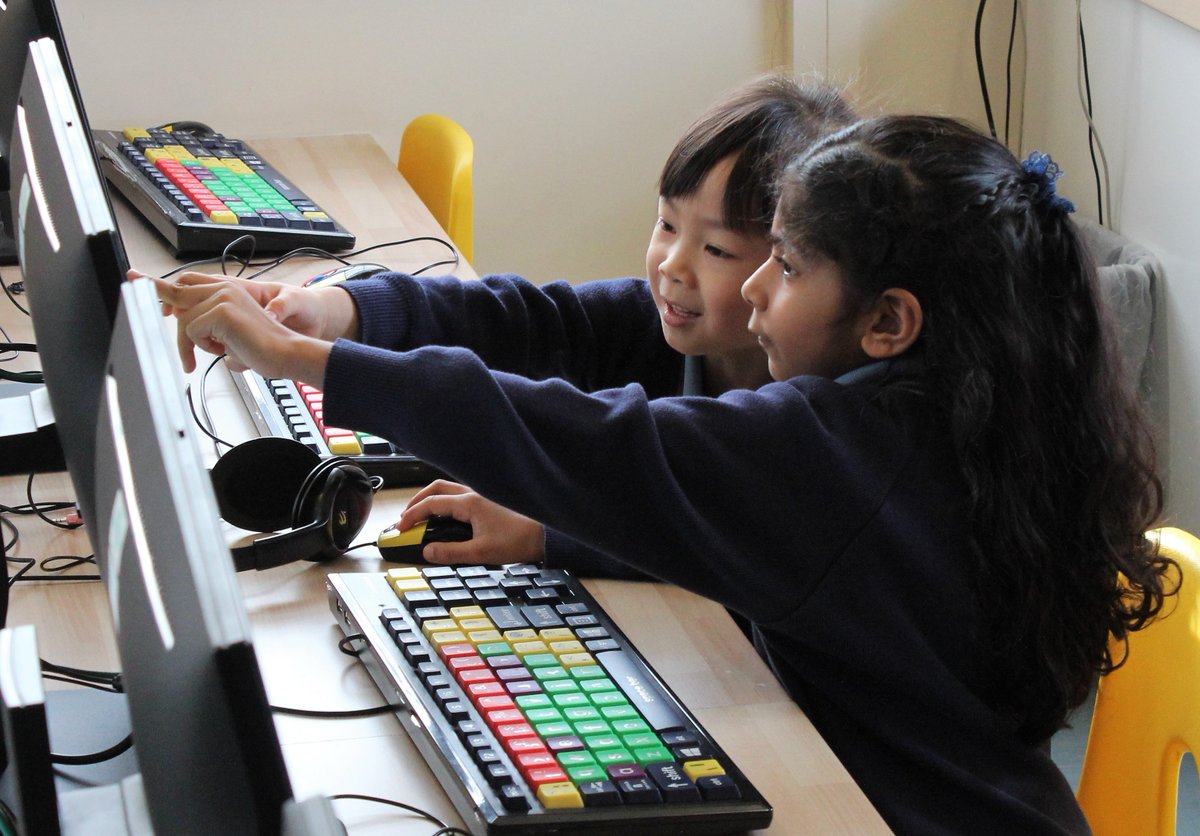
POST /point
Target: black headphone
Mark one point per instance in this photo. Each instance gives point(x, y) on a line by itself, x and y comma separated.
point(267, 484)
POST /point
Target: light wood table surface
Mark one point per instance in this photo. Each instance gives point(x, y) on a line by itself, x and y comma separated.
point(691, 642)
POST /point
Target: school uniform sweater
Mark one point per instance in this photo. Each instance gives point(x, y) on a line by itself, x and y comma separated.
point(595, 335)
point(828, 514)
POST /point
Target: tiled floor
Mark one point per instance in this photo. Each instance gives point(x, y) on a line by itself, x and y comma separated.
point(1067, 749)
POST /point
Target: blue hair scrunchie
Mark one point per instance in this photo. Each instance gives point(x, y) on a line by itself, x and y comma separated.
point(1047, 172)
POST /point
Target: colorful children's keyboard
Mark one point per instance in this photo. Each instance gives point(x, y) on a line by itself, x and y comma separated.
point(202, 190)
point(533, 709)
point(288, 409)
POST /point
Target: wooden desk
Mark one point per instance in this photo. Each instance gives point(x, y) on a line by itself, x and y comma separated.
point(691, 641)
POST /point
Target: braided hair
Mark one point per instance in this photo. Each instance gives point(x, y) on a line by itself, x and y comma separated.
point(1055, 451)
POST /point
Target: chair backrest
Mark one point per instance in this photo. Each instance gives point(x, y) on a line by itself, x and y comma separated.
point(436, 158)
point(1148, 712)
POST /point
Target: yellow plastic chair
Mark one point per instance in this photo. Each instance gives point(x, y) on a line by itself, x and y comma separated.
point(436, 158)
point(1148, 713)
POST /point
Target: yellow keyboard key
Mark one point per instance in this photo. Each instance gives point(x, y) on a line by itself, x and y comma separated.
point(339, 445)
point(478, 637)
point(436, 624)
point(404, 572)
point(570, 660)
point(224, 216)
point(557, 634)
point(511, 636)
point(458, 613)
point(179, 152)
point(135, 133)
point(559, 795)
point(471, 625)
point(238, 167)
point(156, 154)
point(402, 585)
point(559, 648)
point(701, 768)
point(447, 637)
point(525, 648)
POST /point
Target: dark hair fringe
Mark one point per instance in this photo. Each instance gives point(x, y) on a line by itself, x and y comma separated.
point(766, 122)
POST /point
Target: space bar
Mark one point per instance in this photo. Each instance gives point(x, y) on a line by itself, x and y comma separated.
point(642, 692)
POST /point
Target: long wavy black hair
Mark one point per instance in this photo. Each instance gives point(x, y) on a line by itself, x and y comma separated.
point(1056, 452)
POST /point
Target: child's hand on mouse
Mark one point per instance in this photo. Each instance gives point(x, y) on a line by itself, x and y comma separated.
point(500, 535)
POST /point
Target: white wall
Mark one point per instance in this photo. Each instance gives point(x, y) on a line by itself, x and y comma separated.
point(1144, 67)
point(573, 104)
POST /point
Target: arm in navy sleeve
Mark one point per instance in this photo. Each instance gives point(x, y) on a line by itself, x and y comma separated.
point(746, 498)
point(596, 335)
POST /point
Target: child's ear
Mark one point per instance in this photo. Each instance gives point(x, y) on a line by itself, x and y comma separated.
point(893, 324)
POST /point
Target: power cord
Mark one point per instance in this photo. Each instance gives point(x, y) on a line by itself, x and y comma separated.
point(1083, 80)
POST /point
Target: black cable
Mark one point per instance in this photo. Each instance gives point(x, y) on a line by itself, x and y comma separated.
point(1087, 83)
point(445, 829)
point(16, 535)
point(118, 748)
point(10, 292)
point(205, 425)
point(27, 563)
point(987, 102)
point(335, 715)
point(109, 681)
point(37, 509)
point(1012, 37)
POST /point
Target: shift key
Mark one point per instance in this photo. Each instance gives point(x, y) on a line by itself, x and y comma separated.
point(642, 691)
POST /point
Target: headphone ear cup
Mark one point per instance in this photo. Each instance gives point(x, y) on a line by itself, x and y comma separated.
point(256, 482)
point(336, 495)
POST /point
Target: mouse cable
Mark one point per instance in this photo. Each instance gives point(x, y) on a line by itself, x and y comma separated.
point(119, 748)
point(206, 426)
point(344, 258)
point(1084, 83)
point(344, 647)
point(444, 829)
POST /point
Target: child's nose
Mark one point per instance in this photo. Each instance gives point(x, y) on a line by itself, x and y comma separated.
point(752, 290)
point(677, 265)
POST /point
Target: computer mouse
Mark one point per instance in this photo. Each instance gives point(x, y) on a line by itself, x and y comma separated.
point(405, 546)
point(345, 273)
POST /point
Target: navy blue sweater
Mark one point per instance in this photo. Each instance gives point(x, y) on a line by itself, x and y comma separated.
point(826, 513)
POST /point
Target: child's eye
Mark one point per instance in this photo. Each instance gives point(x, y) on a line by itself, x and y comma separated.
point(712, 249)
point(785, 266)
point(665, 225)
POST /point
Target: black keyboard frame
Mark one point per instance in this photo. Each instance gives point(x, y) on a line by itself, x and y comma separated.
point(357, 600)
point(396, 470)
point(192, 237)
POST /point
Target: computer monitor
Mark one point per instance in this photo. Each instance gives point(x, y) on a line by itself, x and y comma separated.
point(22, 21)
point(203, 732)
point(70, 253)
